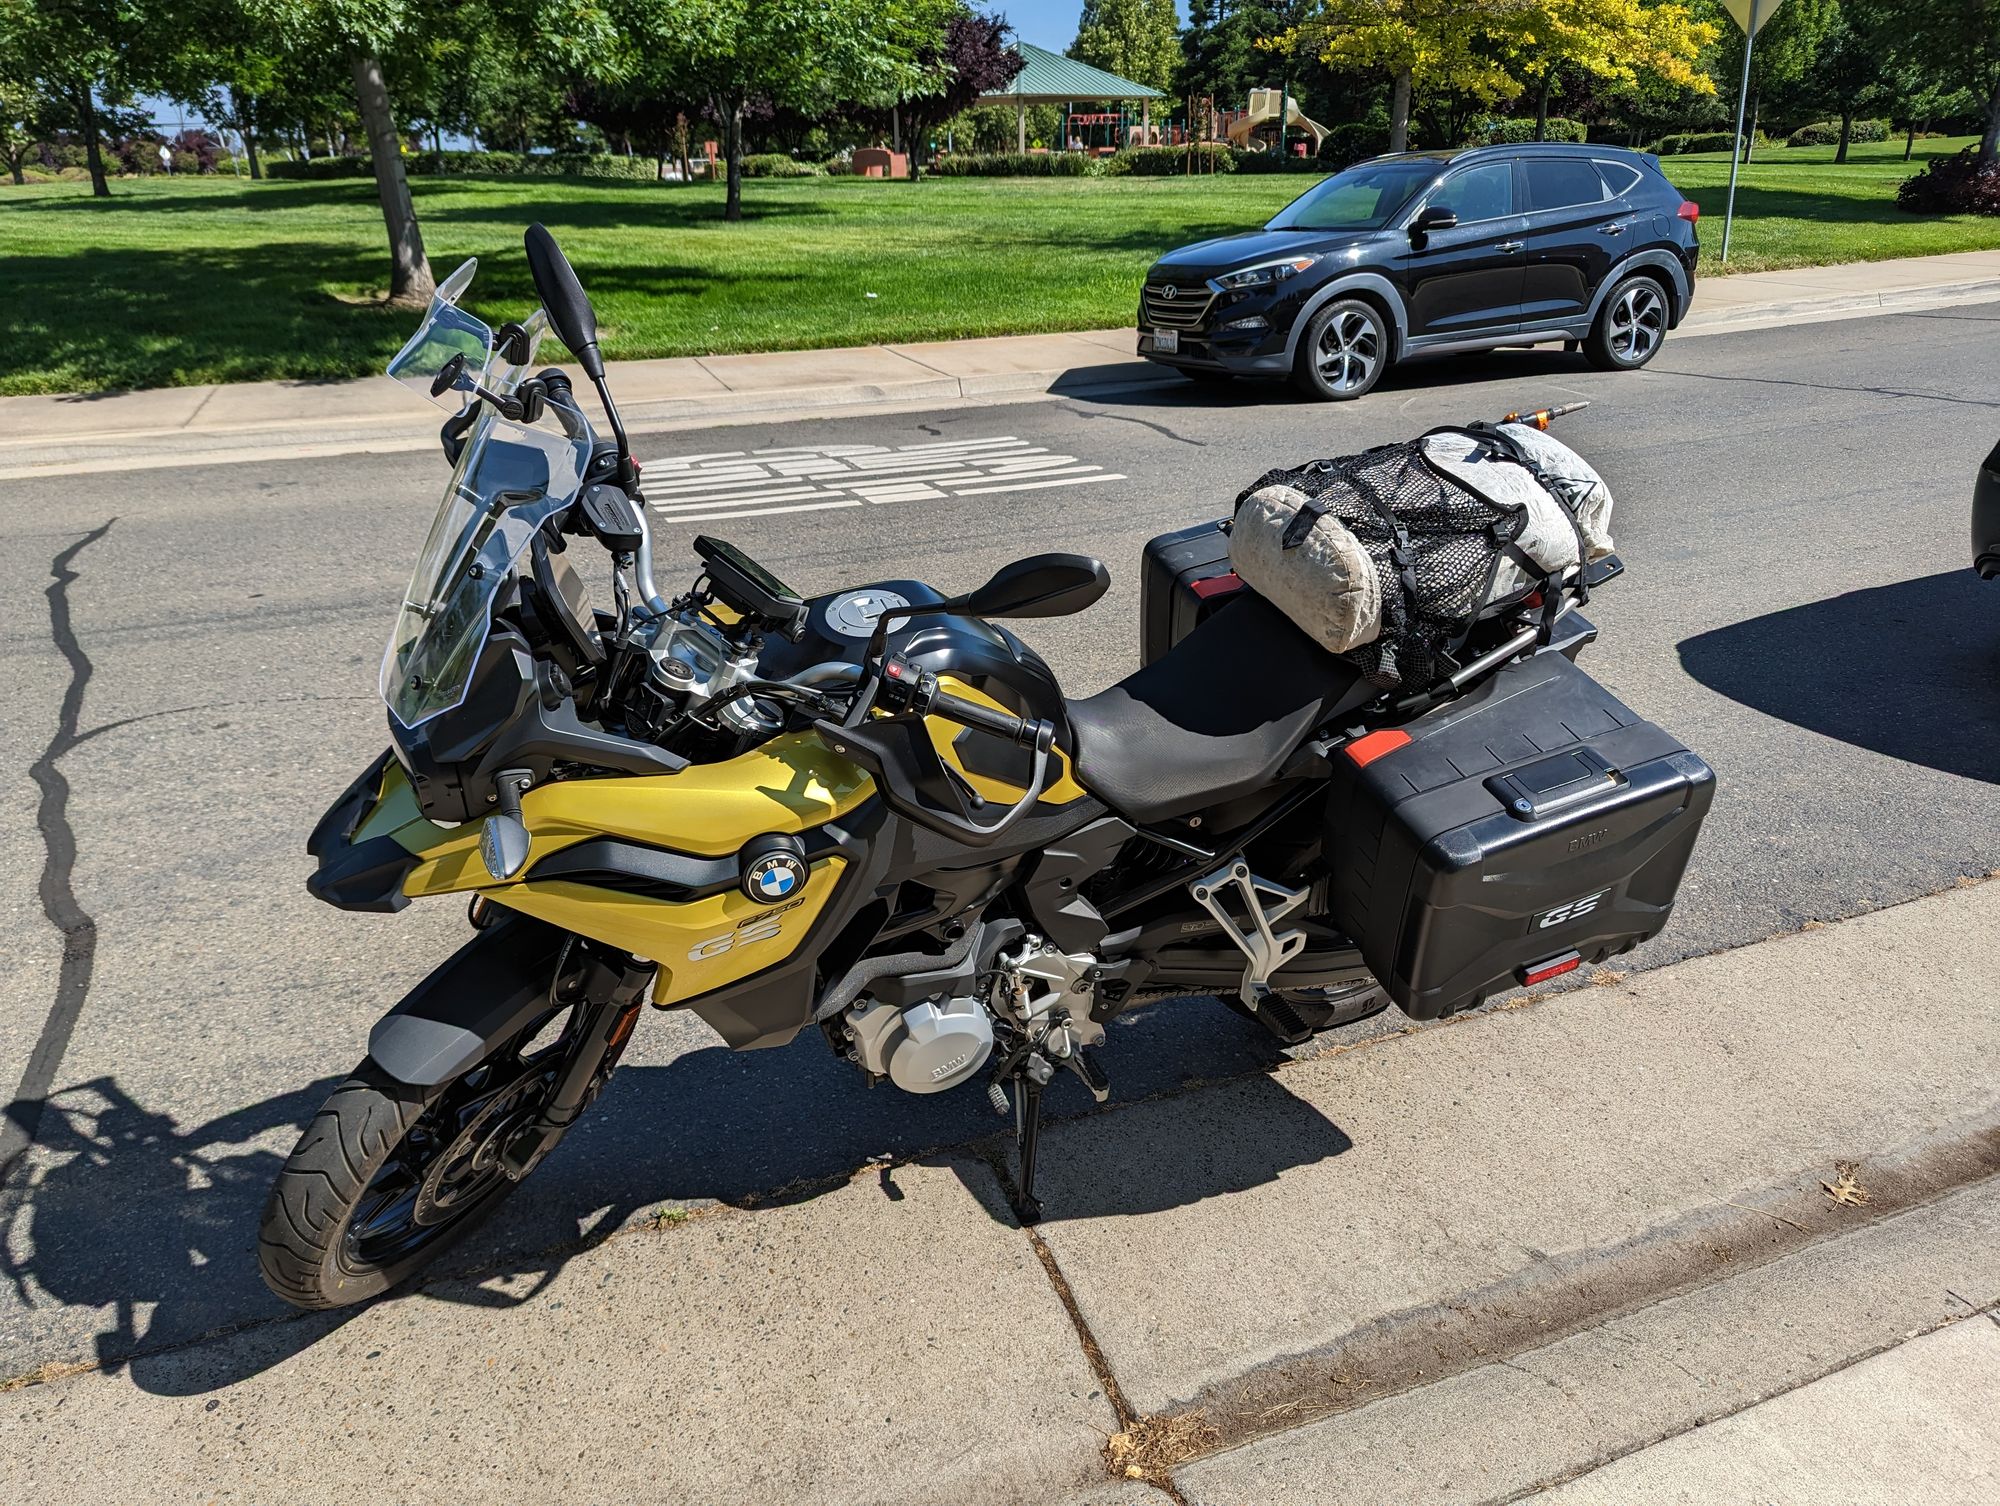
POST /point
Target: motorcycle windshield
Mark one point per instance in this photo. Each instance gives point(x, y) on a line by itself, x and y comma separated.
point(509, 479)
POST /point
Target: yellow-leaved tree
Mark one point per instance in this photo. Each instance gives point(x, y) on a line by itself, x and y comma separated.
point(1614, 41)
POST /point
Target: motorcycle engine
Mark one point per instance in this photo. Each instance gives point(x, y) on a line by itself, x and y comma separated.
point(923, 1049)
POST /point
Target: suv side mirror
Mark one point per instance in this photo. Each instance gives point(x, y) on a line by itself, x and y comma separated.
point(1430, 217)
point(1043, 585)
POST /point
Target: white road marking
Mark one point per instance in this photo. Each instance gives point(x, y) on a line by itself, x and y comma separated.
point(815, 478)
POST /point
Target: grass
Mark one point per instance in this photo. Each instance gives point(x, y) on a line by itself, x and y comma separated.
point(180, 281)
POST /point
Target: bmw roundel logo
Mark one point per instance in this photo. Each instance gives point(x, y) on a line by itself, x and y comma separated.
point(774, 877)
point(1170, 292)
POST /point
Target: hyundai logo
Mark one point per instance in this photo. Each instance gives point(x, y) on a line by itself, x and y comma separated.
point(1170, 292)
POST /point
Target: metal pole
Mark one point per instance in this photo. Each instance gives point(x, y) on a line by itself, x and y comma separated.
point(1736, 141)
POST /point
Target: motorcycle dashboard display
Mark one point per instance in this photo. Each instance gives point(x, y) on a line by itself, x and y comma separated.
point(746, 585)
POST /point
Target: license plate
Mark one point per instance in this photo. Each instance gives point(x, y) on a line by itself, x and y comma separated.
point(1164, 341)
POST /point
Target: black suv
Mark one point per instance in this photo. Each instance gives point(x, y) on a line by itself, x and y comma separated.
point(1433, 251)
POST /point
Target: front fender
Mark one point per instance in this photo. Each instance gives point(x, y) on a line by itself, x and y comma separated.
point(486, 991)
point(361, 866)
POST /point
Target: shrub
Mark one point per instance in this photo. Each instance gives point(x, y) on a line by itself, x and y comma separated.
point(521, 165)
point(1016, 165)
point(1353, 141)
point(1952, 185)
point(1169, 161)
point(1703, 141)
point(777, 165)
point(1827, 133)
point(319, 168)
point(1512, 131)
point(1271, 162)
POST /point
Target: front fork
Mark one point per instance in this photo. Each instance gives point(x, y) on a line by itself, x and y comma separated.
point(607, 988)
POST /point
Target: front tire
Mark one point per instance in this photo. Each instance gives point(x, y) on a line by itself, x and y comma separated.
point(1343, 351)
point(1631, 327)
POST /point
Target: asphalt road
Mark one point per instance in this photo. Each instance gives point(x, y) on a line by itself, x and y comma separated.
point(191, 660)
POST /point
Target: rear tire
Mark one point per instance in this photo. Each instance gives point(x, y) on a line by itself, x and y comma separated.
point(1631, 327)
point(1343, 351)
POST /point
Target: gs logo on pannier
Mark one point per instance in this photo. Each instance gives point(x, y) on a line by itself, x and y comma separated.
point(1576, 909)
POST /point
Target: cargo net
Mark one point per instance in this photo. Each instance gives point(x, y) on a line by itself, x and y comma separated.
point(1436, 545)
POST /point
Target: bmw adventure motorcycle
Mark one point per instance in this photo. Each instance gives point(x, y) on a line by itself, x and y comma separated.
point(873, 813)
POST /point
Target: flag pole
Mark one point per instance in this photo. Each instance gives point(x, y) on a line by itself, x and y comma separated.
point(1736, 142)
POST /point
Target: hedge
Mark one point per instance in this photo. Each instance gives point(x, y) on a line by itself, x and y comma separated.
point(1707, 141)
point(1271, 162)
point(523, 165)
point(1168, 161)
point(321, 167)
point(1016, 165)
point(1827, 133)
point(777, 165)
point(1512, 131)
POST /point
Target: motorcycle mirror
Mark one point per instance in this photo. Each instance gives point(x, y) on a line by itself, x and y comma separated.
point(574, 320)
point(451, 374)
point(1043, 585)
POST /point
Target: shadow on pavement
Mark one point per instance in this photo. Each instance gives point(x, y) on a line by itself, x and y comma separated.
point(154, 1226)
point(1507, 369)
point(1910, 670)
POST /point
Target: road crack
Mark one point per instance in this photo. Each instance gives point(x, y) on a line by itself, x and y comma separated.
point(58, 883)
point(1144, 423)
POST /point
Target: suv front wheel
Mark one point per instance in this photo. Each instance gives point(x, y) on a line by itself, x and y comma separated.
point(1343, 351)
point(1630, 327)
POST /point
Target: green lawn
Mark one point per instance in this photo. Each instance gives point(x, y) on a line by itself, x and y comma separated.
point(187, 281)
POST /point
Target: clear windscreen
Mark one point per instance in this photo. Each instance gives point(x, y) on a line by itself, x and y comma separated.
point(509, 479)
point(448, 333)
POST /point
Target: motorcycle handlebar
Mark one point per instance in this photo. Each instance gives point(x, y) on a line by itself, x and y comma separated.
point(1023, 730)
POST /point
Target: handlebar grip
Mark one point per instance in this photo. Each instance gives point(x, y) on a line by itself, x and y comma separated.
point(1005, 724)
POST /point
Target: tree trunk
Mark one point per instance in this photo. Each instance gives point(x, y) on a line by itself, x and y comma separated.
point(86, 114)
point(1989, 143)
point(14, 163)
point(660, 167)
point(732, 150)
point(1910, 140)
point(247, 129)
point(1399, 113)
point(1750, 135)
point(1846, 131)
point(1542, 110)
point(409, 269)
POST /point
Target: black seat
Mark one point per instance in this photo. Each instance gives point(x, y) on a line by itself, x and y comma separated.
point(1214, 718)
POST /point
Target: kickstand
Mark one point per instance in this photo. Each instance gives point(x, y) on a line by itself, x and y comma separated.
point(1027, 1140)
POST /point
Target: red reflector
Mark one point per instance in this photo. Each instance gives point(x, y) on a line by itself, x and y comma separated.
point(1555, 967)
point(1365, 750)
point(1689, 211)
point(1217, 585)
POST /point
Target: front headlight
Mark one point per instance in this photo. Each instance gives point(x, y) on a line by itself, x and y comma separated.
point(1264, 274)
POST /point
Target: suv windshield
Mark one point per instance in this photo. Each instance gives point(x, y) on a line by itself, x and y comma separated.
point(1365, 197)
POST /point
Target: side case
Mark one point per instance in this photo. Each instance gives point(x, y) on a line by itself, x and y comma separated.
point(1533, 821)
point(1183, 576)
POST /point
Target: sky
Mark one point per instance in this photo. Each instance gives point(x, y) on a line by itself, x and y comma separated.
point(1046, 23)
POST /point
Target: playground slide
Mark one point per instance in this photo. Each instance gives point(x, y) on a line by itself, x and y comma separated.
point(1263, 111)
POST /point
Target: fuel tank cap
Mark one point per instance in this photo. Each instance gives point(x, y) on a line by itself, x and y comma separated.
point(853, 614)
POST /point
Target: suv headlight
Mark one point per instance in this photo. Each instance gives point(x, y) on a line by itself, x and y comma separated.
point(1264, 274)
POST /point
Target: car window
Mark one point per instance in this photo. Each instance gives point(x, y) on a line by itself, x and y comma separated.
point(1364, 197)
point(1485, 192)
point(1558, 182)
point(1620, 177)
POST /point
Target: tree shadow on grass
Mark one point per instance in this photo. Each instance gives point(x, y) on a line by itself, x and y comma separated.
point(149, 1226)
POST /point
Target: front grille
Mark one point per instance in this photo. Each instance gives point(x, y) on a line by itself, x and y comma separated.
point(1183, 311)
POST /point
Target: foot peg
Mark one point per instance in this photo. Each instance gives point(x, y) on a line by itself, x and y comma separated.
point(1264, 902)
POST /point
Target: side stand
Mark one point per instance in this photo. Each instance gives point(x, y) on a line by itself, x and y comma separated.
point(1027, 1140)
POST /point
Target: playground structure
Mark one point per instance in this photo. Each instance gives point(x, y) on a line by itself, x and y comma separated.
point(1259, 123)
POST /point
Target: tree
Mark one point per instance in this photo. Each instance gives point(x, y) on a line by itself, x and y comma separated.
point(1951, 44)
point(26, 112)
point(1449, 45)
point(87, 59)
point(1786, 46)
point(782, 55)
point(969, 59)
point(1135, 39)
point(1613, 41)
point(1848, 75)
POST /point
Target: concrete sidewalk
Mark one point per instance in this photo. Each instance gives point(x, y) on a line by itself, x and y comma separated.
point(1460, 1265)
point(258, 420)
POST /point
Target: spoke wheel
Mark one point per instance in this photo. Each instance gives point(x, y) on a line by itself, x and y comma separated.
point(1632, 326)
point(1343, 352)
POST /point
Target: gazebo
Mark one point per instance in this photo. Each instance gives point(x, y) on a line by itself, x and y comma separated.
point(1052, 79)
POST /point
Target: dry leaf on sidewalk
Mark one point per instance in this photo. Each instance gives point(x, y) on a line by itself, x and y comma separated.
point(1151, 1446)
point(1846, 1186)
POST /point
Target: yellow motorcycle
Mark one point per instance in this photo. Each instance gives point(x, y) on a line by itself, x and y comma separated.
point(873, 813)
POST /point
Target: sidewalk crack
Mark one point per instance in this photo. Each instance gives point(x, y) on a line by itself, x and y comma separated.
point(58, 888)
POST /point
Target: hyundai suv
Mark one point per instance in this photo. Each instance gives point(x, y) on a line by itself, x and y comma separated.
point(1434, 251)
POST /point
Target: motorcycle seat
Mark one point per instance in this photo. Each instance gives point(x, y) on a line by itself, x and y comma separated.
point(1213, 718)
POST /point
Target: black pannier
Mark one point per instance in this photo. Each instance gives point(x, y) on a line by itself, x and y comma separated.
point(1506, 837)
point(1183, 576)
